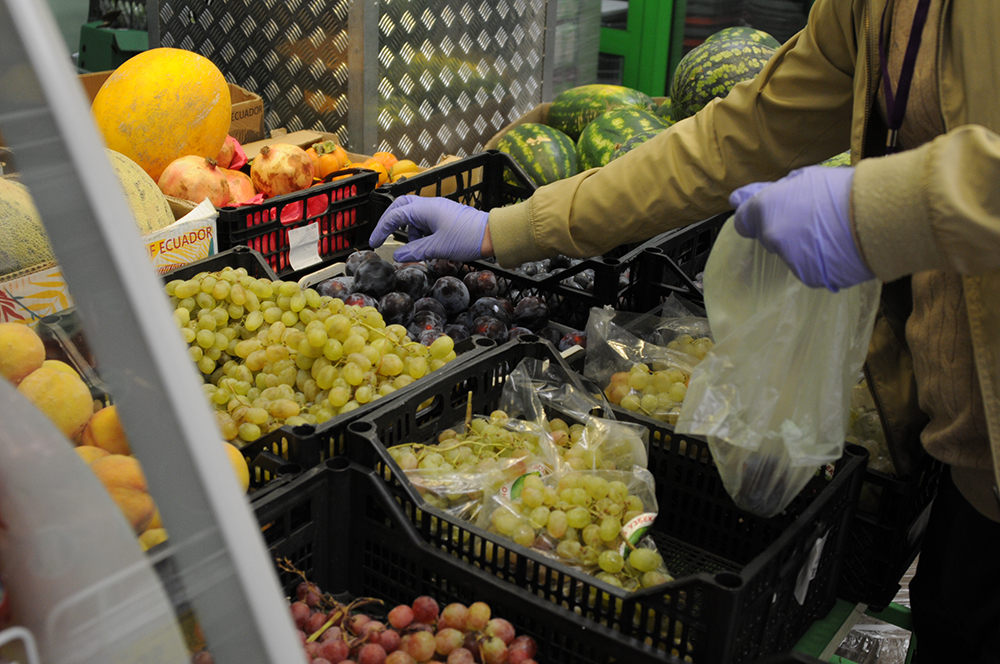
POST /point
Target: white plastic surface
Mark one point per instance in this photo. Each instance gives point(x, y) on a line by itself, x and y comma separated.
point(76, 576)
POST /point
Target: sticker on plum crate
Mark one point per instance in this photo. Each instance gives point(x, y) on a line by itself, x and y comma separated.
point(303, 246)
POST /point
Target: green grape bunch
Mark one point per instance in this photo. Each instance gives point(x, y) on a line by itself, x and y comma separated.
point(585, 519)
point(599, 444)
point(275, 354)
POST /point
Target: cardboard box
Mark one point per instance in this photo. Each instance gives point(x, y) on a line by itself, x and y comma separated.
point(246, 124)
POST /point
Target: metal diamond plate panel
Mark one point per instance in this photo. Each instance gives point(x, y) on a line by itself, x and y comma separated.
point(441, 76)
point(293, 53)
point(453, 72)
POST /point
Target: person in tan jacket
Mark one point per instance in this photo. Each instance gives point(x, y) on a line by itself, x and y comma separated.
point(919, 209)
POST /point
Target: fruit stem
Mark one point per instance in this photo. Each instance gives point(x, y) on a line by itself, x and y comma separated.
point(468, 413)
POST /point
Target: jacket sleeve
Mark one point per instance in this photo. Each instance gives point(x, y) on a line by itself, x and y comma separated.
point(796, 112)
point(935, 207)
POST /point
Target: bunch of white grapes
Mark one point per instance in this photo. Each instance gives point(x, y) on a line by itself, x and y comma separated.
point(275, 354)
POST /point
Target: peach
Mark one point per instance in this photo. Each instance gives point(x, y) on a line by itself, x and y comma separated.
point(120, 471)
point(137, 506)
point(90, 453)
point(63, 397)
point(104, 430)
point(239, 464)
point(21, 351)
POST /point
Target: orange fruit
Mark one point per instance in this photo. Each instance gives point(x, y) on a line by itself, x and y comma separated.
point(373, 164)
point(387, 159)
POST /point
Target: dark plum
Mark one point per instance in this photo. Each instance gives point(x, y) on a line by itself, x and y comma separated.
point(481, 284)
point(374, 277)
point(532, 313)
point(492, 307)
point(491, 328)
point(427, 337)
point(572, 338)
point(559, 262)
point(361, 300)
point(551, 334)
point(456, 332)
point(429, 304)
point(338, 287)
point(515, 332)
point(452, 293)
point(424, 320)
point(461, 318)
point(396, 308)
point(355, 259)
point(413, 280)
point(442, 267)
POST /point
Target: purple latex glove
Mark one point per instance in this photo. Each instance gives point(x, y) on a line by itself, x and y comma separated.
point(439, 228)
point(805, 218)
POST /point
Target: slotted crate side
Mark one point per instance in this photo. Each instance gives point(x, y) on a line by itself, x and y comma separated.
point(340, 211)
point(735, 602)
point(888, 530)
point(240, 256)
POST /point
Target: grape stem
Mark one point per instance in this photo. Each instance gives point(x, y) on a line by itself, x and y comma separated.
point(468, 413)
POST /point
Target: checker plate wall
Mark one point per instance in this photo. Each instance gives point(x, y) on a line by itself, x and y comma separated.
point(451, 73)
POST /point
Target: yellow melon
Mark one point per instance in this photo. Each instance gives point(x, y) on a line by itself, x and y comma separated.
point(27, 245)
point(162, 104)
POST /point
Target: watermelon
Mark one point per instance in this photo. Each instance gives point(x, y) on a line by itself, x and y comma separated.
point(666, 111)
point(573, 109)
point(631, 143)
point(842, 159)
point(602, 136)
point(711, 70)
point(545, 153)
point(745, 32)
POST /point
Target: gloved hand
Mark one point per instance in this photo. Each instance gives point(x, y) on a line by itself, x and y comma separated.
point(438, 228)
point(805, 218)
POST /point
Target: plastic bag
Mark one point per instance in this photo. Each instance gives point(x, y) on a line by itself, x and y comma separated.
point(773, 396)
point(591, 520)
point(643, 361)
point(536, 388)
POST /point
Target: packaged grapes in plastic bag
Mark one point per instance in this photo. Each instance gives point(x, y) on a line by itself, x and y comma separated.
point(772, 397)
point(593, 520)
point(643, 361)
point(486, 453)
point(543, 393)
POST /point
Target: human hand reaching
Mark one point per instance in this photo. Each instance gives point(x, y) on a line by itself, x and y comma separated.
point(805, 219)
point(438, 228)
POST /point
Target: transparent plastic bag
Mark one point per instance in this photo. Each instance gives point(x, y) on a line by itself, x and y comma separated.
point(642, 361)
point(536, 388)
point(591, 520)
point(773, 396)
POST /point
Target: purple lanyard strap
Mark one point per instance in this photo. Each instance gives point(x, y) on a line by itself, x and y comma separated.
point(895, 104)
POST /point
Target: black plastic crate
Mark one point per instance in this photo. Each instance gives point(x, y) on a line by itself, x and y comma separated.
point(672, 265)
point(889, 526)
point(341, 211)
point(733, 600)
point(235, 257)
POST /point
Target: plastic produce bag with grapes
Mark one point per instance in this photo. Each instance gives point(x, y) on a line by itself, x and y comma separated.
point(773, 395)
point(643, 361)
point(592, 520)
point(543, 393)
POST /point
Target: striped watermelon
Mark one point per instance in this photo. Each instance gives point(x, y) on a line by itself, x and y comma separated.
point(573, 109)
point(712, 69)
point(666, 111)
point(545, 153)
point(632, 143)
point(842, 159)
point(745, 32)
point(601, 137)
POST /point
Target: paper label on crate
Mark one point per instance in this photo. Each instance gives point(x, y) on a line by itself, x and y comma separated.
point(190, 238)
point(513, 488)
point(303, 246)
point(808, 571)
point(636, 529)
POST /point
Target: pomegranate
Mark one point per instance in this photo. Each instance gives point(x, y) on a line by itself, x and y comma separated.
point(281, 169)
point(226, 154)
point(241, 189)
point(194, 179)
